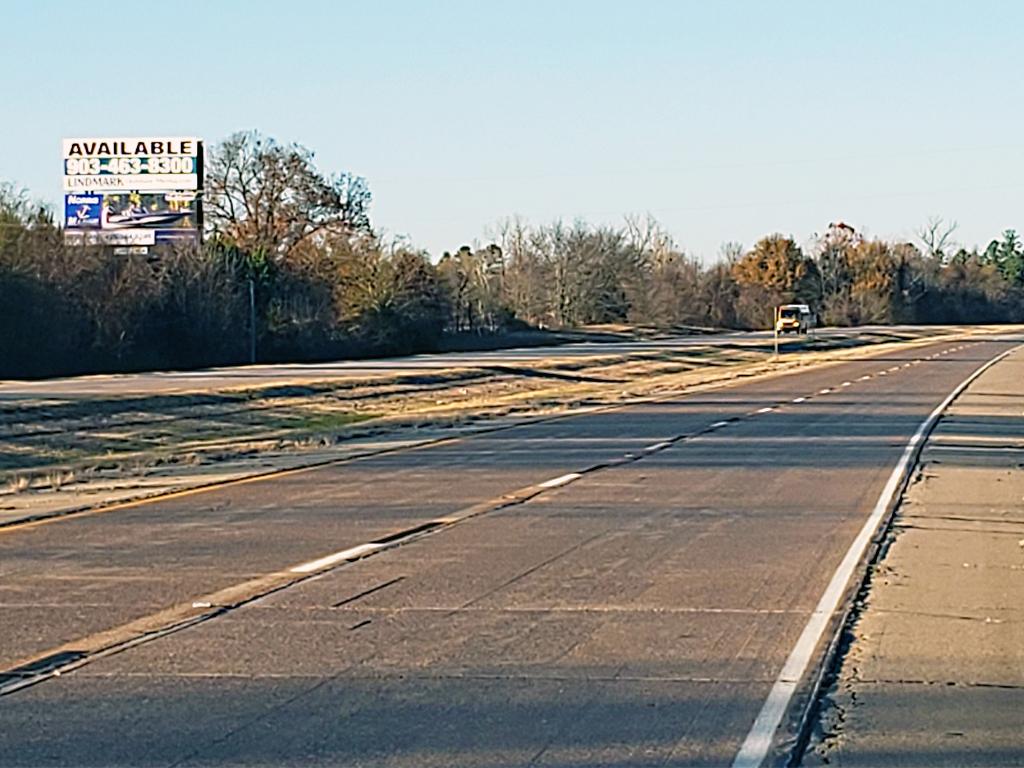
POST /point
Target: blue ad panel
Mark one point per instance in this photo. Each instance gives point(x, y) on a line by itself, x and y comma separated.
point(83, 211)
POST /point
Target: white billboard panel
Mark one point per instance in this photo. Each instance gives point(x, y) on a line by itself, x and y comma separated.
point(111, 237)
point(138, 163)
point(147, 183)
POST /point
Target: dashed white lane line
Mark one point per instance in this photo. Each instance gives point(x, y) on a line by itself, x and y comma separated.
point(718, 424)
point(657, 447)
point(883, 373)
point(555, 482)
point(354, 553)
point(767, 409)
point(824, 391)
point(865, 377)
point(798, 399)
point(846, 384)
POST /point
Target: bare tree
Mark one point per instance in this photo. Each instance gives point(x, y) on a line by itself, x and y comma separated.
point(266, 198)
point(937, 238)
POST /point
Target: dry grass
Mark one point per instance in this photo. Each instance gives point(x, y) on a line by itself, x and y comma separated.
point(56, 479)
point(17, 484)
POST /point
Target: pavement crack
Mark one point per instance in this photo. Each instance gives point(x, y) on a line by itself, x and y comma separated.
point(953, 529)
point(528, 571)
point(938, 615)
point(964, 519)
point(942, 683)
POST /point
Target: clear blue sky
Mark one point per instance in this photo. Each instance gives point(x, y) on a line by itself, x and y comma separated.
point(726, 120)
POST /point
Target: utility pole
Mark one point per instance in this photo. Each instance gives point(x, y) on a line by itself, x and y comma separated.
point(252, 321)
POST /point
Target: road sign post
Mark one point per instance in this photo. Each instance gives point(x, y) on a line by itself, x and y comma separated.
point(252, 321)
point(775, 329)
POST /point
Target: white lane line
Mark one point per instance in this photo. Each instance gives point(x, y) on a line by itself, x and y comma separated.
point(768, 409)
point(798, 399)
point(846, 383)
point(338, 557)
point(865, 377)
point(758, 742)
point(718, 424)
point(824, 391)
point(883, 373)
point(563, 480)
point(657, 446)
point(894, 368)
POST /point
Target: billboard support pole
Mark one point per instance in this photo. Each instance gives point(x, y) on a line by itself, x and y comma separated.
point(252, 321)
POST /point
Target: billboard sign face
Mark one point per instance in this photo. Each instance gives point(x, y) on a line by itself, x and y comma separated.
point(132, 191)
point(92, 165)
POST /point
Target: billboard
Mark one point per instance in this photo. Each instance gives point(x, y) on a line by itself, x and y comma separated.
point(133, 192)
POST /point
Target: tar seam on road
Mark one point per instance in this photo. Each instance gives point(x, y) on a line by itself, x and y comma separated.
point(759, 739)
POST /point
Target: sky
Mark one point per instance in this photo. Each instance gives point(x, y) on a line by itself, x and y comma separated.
point(725, 120)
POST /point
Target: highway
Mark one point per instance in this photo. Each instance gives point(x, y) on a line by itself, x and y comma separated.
point(616, 588)
point(168, 382)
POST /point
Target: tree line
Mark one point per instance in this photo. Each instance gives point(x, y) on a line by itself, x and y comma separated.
point(326, 285)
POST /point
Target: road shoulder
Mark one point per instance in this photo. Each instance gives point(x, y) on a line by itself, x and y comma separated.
point(933, 665)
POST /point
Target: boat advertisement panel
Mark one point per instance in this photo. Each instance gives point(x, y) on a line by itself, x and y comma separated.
point(107, 218)
point(132, 191)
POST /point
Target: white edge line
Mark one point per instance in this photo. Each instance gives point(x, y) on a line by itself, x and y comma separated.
point(758, 741)
point(563, 480)
point(337, 557)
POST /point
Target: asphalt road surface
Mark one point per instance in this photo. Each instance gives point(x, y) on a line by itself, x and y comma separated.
point(166, 382)
point(616, 588)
